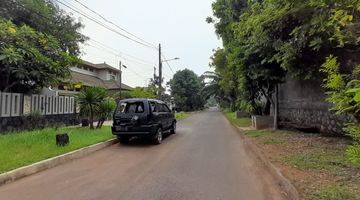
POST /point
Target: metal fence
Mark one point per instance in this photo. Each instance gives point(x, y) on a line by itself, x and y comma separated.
point(17, 104)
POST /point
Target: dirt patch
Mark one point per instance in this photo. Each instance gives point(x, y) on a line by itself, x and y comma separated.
point(316, 165)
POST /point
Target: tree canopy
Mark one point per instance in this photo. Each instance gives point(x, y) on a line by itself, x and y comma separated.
point(46, 17)
point(186, 89)
point(139, 92)
point(264, 41)
point(38, 44)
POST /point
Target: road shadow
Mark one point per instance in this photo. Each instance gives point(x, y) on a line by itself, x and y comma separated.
point(146, 142)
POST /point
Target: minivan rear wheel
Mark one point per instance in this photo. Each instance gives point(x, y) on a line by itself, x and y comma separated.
point(158, 137)
point(173, 128)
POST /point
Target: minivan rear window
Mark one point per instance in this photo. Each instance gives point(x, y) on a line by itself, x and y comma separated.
point(131, 107)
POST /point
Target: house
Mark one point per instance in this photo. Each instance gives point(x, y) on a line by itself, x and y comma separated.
point(88, 74)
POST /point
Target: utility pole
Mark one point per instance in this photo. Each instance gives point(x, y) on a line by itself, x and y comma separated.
point(120, 79)
point(160, 73)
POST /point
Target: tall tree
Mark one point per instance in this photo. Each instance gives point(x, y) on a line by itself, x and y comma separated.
point(30, 60)
point(46, 17)
point(186, 89)
point(38, 44)
point(266, 40)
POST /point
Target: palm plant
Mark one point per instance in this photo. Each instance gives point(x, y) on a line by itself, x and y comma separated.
point(90, 100)
point(106, 108)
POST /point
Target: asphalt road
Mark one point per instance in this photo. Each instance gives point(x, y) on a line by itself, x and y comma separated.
point(206, 160)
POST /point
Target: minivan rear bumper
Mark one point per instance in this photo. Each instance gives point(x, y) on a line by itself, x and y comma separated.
point(135, 131)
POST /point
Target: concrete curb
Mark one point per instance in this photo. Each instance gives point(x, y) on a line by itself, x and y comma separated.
point(22, 172)
point(289, 190)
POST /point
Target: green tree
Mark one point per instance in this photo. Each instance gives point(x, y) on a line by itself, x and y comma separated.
point(90, 101)
point(264, 41)
point(141, 92)
point(138, 92)
point(29, 59)
point(46, 17)
point(186, 89)
point(38, 44)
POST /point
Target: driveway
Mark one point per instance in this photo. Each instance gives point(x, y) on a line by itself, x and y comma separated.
point(206, 160)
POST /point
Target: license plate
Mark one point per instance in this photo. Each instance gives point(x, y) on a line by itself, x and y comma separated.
point(121, 128)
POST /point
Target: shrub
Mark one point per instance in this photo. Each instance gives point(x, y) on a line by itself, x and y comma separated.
point(344, 94)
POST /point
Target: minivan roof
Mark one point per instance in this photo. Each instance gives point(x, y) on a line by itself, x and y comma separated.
point(141, 99)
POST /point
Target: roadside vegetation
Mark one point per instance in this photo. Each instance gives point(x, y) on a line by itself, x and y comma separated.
point(27, 147)
point(181, 115)
point(264, 42)
point(39, 44)
point(95, 103)
point(316, 165)
point(186, 88)
point(240, 122)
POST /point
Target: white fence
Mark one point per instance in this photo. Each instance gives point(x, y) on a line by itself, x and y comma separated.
point(16, 104)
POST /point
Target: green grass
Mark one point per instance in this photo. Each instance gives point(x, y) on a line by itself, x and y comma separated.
point(333, 192)
point(270, 135)
point(242, 122)
point(27, 147)
point(330, 161)
point(181, 115)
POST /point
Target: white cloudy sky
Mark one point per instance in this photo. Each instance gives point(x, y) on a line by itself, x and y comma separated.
point(179, 25)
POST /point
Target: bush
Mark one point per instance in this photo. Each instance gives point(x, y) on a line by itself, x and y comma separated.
point(344, 94)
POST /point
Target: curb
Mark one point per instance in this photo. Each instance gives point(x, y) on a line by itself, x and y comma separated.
point(289, 190)
point(25, 171)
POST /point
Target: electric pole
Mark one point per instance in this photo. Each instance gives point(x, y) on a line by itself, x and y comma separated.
point(160, 73)
point(120, 77)
point(120, 80)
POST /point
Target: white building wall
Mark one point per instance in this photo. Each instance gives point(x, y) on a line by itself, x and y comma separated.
point(104, 75)
point(83, 71)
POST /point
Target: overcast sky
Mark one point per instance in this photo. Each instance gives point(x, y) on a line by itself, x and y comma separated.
point(179, 25)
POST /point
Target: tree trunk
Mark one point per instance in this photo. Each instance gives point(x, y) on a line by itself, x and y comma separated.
point(100, 123)
point(276, 107)
point(267, 107)
point(91, 117)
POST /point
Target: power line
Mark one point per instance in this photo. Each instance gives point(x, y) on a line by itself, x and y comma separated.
point(117, 55)
point(102, 48)
point(122, 53)
point(45, 17)
point(110, 22)
point(131, 70)
point(167, 63)
point(102, 24)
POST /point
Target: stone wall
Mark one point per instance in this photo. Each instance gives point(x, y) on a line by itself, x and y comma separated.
point(27, 123)
point(302, 105)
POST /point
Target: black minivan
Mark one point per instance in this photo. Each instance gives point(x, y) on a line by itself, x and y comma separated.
point(143, 118)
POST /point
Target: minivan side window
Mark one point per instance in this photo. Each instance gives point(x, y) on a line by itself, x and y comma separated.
point(163, 108)
point(158, 107)
point(166, 108)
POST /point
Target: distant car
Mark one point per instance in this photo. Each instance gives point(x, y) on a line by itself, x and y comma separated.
point(143, 118)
